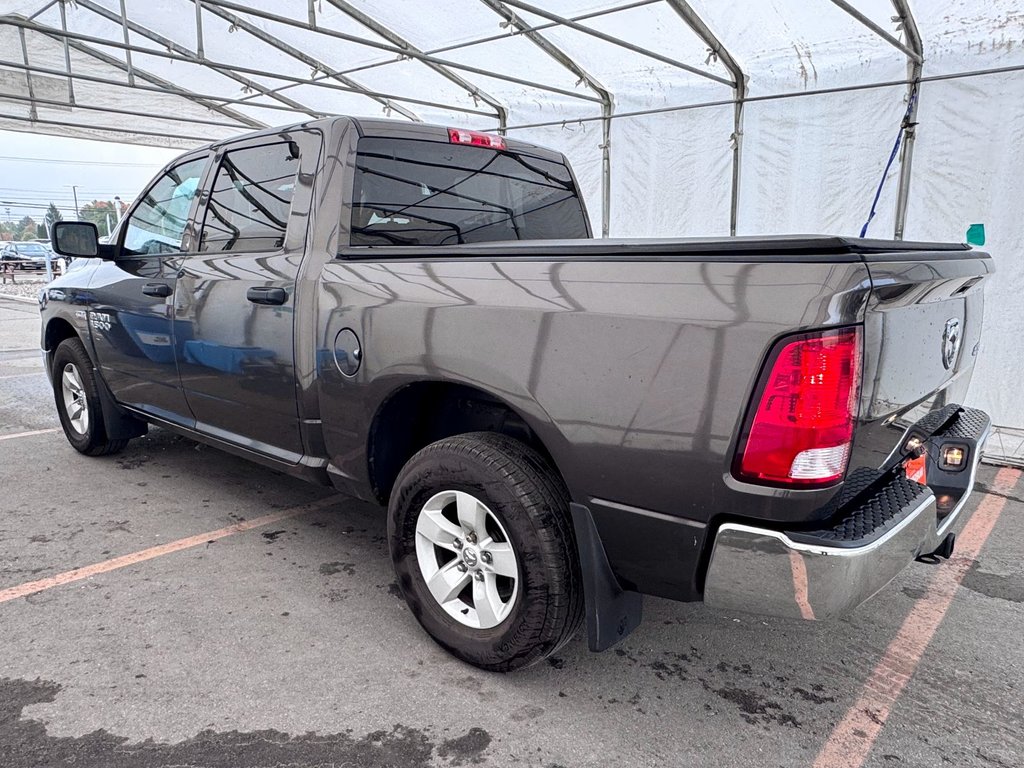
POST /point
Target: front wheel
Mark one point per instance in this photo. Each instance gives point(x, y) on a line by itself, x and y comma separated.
point(483, 547)
point(78, 404)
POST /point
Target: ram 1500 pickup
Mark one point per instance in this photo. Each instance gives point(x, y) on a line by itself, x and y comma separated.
point(556, 424)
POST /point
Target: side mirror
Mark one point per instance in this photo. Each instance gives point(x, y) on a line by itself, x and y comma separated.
point(75, 238)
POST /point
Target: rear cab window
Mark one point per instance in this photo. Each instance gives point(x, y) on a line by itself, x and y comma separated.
point(412, 192)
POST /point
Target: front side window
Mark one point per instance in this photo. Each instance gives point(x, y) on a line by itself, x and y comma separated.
point(251, 199)
point(411, 192)
point(157, 224)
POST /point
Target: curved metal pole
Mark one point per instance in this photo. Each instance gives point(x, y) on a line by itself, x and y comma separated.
point(501, 111)
point(606, 96)
point(913, 49)
point(915, 68)
point(306, 59)
point(183, 52)
point(739, 87)
point(570, 24)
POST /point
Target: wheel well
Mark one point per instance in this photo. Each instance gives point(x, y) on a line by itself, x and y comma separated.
point(422, 413)
point(57, 330)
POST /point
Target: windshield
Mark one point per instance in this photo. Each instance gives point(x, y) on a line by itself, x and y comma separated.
point(432, 193)
point(30, 249)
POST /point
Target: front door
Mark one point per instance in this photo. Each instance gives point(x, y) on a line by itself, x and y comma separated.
point(236, 296)
point(131, 306)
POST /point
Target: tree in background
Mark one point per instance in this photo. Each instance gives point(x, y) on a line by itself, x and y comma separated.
point(25, 229)
point(100, 212)
point(53, 215)
point(40, 231)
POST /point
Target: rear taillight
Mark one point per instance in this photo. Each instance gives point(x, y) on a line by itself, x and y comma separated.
point(475, 138)
point(801, 428)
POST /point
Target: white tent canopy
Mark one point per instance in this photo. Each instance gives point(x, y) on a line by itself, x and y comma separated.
point(681, 117)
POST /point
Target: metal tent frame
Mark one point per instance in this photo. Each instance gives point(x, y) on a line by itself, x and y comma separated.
point(265, 89)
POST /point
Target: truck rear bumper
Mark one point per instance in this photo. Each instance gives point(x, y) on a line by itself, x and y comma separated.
point(880, 529)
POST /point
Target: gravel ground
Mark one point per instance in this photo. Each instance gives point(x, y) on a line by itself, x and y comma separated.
point(26, 287)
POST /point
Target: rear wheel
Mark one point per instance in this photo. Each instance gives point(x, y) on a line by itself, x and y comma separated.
point(483, 547)
point(78, 403)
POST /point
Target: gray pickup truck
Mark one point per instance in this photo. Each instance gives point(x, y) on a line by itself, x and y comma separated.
point(418, 316)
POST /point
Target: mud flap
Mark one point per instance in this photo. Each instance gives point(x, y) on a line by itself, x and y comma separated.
point(612, 612)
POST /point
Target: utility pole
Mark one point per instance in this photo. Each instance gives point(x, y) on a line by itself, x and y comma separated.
point(74, 192)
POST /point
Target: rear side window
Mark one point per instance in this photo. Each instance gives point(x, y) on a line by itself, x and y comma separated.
point(251, 199)
point(431, 193)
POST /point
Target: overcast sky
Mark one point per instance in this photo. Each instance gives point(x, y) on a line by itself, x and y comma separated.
point(36, 169)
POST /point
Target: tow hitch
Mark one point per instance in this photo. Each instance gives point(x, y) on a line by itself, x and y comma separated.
point(944, 551)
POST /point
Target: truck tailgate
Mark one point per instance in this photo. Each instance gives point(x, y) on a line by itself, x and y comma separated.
point(922, 338)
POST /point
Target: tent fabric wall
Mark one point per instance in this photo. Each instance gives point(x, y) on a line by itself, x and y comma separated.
point(812, 153)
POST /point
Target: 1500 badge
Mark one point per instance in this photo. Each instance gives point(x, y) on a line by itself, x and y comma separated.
point(100, 321)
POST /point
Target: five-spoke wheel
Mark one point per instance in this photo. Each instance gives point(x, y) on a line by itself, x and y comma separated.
point(484, 551)
point(466, 559)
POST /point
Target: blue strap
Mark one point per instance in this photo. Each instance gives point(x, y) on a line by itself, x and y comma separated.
point(888, 165)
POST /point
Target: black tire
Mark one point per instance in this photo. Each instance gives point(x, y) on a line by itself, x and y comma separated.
point(532, 505)
point(92, 440)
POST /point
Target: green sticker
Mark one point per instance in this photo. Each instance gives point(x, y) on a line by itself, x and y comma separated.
point(976, 234)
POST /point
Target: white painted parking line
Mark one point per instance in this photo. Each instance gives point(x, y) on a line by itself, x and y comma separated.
point(30, 434)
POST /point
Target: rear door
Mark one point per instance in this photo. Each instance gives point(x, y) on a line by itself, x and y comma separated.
point(235, 297)
point(130, 310)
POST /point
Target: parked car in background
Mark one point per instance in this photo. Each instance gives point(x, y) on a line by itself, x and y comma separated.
point(26, 255)
point(418, 316)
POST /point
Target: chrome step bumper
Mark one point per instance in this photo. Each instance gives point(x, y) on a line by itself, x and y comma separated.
point(827, 573)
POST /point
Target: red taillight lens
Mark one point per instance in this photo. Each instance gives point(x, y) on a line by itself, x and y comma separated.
point(475, 138)
point(801, 429)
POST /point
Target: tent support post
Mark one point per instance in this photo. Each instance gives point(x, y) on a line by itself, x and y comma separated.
point(915, 69)
point(64, 26)
point(914, 51)
point(200, 47)
point(127, 41)
point(739, 87)
point(607, 99)
point(32, 113)
point(606, 167)
point(394, 38)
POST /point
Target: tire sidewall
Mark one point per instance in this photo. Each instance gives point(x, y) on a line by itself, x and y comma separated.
point(72, 351)
point(420, 480)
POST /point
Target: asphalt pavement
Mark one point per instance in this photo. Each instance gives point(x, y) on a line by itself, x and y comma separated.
point(233, 617)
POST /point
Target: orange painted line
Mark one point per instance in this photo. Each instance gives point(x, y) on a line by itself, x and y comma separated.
point(800, 591)
point(29, 434)
point(32, 587)
point(851, 740)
